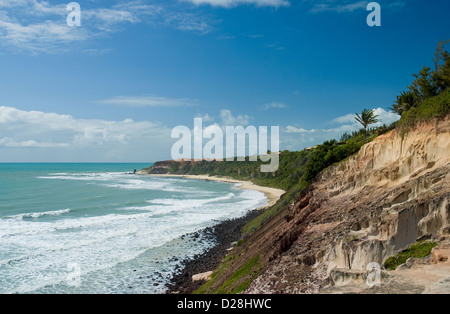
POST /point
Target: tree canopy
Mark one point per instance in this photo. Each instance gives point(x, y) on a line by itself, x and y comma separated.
point(427, 83)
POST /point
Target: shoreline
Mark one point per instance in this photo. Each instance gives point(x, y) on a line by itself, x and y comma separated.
point(272, 194)
point(226, 234)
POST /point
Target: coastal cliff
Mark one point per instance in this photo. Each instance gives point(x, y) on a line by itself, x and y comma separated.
point(365, 209)
point(358, 212)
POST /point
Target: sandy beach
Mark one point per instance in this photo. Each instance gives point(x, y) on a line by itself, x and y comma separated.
point(272, 194)
point(226, 233)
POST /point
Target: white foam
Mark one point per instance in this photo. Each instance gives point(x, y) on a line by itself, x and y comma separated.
point(34, 252)
point(39, 214)
point(118, 180)
point(135, 184)
point(171, 201)
point(88, 176)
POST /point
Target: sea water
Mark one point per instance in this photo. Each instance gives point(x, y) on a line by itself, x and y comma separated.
point(99, 228)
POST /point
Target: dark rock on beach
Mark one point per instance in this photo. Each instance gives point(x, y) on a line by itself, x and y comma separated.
point(225, 233)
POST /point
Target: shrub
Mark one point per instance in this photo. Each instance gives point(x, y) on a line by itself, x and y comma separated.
point(417, 250)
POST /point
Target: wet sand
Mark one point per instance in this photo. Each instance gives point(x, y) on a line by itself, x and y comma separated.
point(272, 194)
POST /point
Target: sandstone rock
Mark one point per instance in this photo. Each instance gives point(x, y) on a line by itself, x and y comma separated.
point(440, 255)
point(204, 276)
point(440, 287)
point(413, 262)
point(363, 210)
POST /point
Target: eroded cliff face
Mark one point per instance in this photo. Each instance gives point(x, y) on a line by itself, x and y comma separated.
point(365, 209)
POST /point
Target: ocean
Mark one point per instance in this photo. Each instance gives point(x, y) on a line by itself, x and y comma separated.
point(99, 228)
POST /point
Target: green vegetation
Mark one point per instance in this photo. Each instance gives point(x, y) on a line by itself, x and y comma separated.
point(244, 276)
point(296, 170)
point(331, 152)
point(282, 204)
point(366, 118)
point(417, 250)
point(434, 107)
point(427, 83)
point(292, 165)
point(237, 282)
point(427, 97)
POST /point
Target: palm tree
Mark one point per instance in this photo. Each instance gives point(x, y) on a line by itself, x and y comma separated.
point(367, 117)
point(404, 102)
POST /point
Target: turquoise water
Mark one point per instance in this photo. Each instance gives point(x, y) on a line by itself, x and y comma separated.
point(98, 228)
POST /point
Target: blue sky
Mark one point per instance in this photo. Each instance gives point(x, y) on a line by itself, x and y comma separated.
point(114, 88)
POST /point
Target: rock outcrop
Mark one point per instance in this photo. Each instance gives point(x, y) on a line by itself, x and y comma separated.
point(363, 210)
point(160, 167)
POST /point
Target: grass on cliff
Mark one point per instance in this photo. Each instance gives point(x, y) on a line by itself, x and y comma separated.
point(237, 282)
point(311, 164)
point(307, 165)
point(417, 250)
point(299, 169)
point(291, 168)
point(433, 107)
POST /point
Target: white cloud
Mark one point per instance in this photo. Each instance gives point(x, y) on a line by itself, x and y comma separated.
point(39, 37)
point(36, 27)
point(386, 117)
point(52, 137)
point(339, 8)
point(205, 118)
point(26, 134)
point(229, 120)
point(348, 118)
point(7, 142)
point(293, 129)
point(276, 105)
point(122, 12)
point(348, 123)
point(226, 119)
point(185, 21)
point(233, 3)
point(148, 101)
point(298, 138)
point(348, 6)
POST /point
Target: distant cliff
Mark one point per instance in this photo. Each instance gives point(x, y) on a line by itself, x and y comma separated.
point(160, 167)
point(292, 166)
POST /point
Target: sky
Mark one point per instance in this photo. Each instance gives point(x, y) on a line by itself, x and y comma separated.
point(114, 88)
